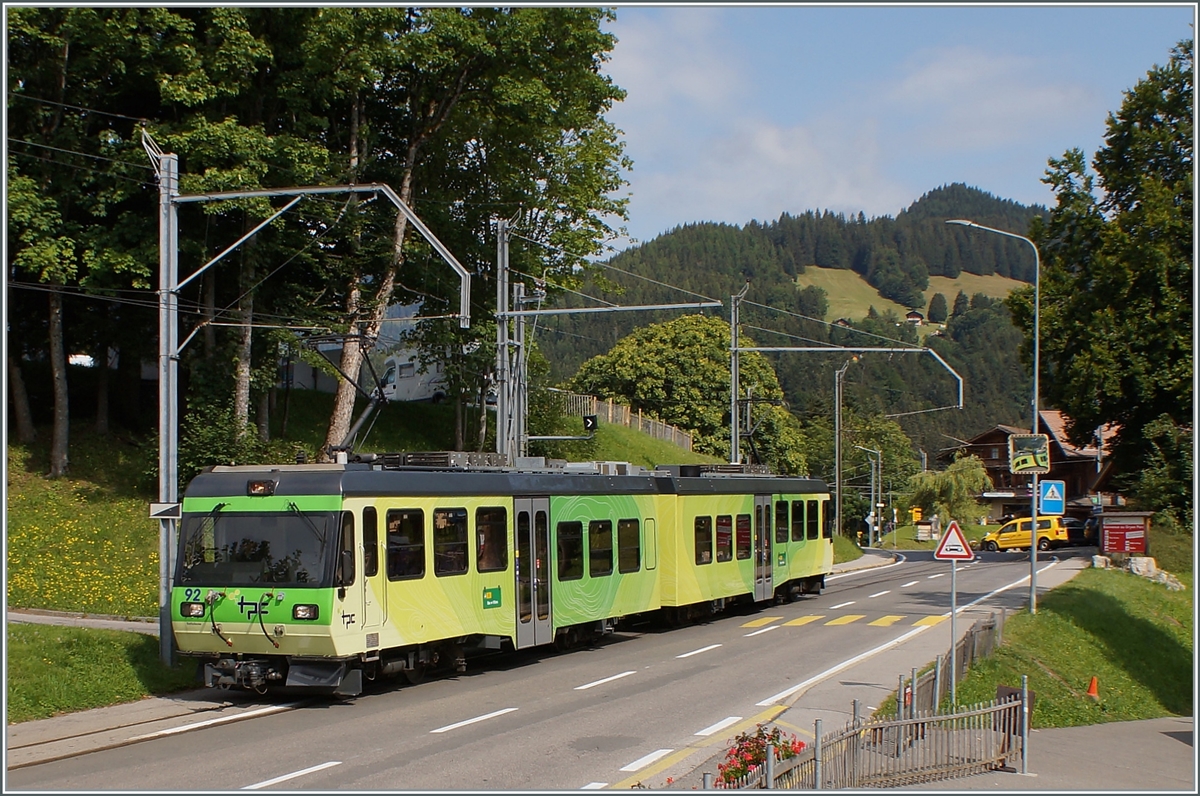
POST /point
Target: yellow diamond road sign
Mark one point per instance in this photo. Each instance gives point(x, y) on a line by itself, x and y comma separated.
point(953, 546)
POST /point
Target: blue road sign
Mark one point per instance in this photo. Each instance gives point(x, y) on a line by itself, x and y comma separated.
point(1052, 497)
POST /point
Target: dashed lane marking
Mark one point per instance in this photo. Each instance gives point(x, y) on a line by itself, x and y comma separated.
point(910, 583)
point(485, 717)
point(938, 575)
point(845, 620)
point(764, 630)
point(594, 786)
point(645, 760)
point(841, 605)
point(885, 621)
point(293, 775)
point(720, 725)
point(880, 593)
point(762, 620)
point(602, 682)
point(697, 652)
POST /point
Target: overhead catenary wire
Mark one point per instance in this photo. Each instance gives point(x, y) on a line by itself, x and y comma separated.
point(81, 154)
point(18, 95)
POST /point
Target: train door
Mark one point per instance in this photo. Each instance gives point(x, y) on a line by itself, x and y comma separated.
point(764, 588)
point(373, 582)
point(533, 571)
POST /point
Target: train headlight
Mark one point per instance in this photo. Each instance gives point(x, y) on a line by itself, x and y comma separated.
point(305, 612)
point(192, 609)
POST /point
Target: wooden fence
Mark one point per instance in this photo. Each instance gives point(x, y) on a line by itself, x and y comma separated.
point(576, 405)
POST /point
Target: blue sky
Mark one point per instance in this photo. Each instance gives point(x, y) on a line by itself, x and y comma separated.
point(743, 112)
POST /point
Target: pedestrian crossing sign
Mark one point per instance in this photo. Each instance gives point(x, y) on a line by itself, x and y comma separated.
point(953, 546)
point(1052, 498)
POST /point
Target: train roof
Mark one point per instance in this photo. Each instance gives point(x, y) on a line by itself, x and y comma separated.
point(361, 479)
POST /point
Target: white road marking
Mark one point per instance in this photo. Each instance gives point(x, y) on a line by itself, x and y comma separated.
point(697, 652)
point(602, 682)
point(720, 725)
point(764, 630)
point(458, 724)
point(880, 593)
point(293, 775)
point(642, 762)
point(910, 583)
point(938, 575)
point(865, 570)
point(249, 714)
point(882, 647)
point(841, 605)
point(594, 786)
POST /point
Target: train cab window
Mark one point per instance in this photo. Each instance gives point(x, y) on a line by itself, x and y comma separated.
point(570, 550)
point(704, 539)
point(600, 548)
point(828, 527)
point(405, 544)
point(797, 520)
point(724, 538)
point(370, 542)
point(814, 525)
point(449, 541)
point(781, 522)
point(629, 546)
point(743, 536)
point(344, 576)
point(491, 539)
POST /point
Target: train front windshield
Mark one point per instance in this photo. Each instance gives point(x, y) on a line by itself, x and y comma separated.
point(225, 548)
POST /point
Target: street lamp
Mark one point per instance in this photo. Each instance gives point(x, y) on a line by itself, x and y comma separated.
point(1033, 495)
point(837, 439)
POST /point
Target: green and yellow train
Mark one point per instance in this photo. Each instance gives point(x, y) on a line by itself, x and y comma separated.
point(321, 575)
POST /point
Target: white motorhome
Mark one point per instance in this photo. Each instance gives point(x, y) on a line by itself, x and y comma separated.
point(402, 380)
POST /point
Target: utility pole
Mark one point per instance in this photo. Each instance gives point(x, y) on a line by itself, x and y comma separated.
point(837, 441)
point(168, 398)
point(735, 301)
point(504, 413)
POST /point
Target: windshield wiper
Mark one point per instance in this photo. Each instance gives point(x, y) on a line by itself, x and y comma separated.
point(316, 531)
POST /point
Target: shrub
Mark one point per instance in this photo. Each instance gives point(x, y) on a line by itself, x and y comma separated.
point(750, 751)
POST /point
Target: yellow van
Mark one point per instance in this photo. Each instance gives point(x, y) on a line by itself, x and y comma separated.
point(1014, 535)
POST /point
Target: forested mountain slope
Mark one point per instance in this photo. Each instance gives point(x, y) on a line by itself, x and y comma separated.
point(894, 256)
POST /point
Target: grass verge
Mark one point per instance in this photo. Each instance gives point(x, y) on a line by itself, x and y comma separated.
point(845, 549)
point(53, 670)
point(1134, 636)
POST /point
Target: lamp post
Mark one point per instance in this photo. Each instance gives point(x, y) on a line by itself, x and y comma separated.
point(837, 440)
point(1033, 495)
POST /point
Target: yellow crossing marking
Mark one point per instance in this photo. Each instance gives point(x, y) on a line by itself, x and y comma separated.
point(845, 620)
point(804, 620)
point(885, 621)
point(761, 621)
point(929, 620)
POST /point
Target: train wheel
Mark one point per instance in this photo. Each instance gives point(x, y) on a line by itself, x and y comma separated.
point(415, 676)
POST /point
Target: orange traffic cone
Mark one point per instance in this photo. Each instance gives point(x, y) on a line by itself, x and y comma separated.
point(1094, 689)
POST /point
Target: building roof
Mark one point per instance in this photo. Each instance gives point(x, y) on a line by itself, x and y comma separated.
point(1056, 424)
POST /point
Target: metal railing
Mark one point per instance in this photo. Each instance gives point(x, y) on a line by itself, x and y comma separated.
point(578, 405)
point(923, 747)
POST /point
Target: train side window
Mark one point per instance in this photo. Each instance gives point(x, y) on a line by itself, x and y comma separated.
point(704, 538)
point(629, 546)
point(405, 544)
point(724, 538)
point(449, 541)
point(370, 542)
point(570, 550)
point(743, 536)
point(345, 564)
point(781, 522)
point(828, 527)
point(797, 520)
point(491, 539)
point(814, 525)
point(600, 548)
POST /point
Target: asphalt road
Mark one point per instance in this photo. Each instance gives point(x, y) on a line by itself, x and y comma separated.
point(639, 707)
